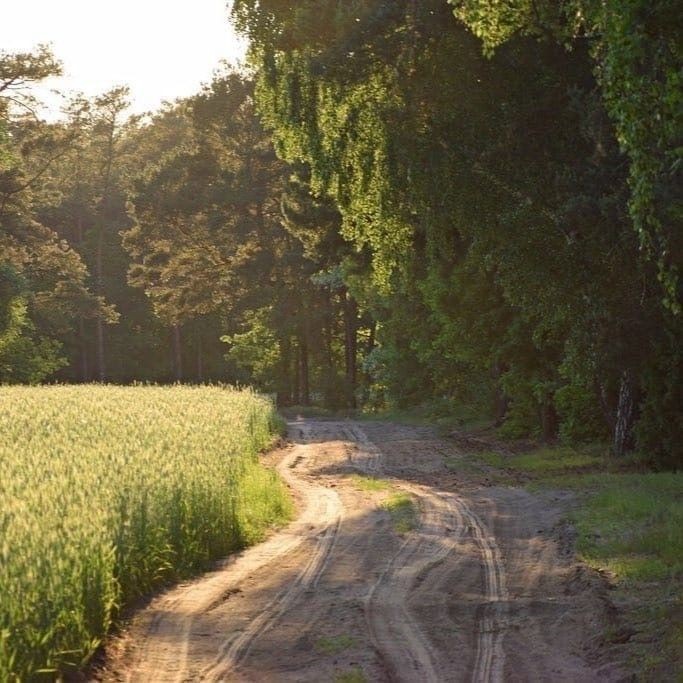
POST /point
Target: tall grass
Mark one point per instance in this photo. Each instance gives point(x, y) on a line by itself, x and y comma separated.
point(109, 492)
point(632, 525)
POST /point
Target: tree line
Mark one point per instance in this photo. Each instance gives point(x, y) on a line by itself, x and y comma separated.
point(399, 203)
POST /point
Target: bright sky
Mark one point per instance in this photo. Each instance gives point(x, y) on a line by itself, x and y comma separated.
point(162, 49)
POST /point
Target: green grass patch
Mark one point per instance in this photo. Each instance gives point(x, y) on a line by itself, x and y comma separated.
point(548, 461)
point(462, 464)
point(628, 524)
point(631, 524)
point(403, 512)
point(365, 483)
point(351, 676)
point(334, 644)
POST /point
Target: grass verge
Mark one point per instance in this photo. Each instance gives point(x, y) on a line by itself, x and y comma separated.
point(629, 525)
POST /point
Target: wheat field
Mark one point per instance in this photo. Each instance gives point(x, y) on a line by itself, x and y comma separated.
point(107, 493)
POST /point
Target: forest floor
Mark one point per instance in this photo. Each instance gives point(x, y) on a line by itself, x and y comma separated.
point(405, 563)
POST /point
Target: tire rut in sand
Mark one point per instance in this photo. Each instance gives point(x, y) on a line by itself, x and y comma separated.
point(490, 657)
point(445, 519)
point(236, 650)
point(176, 613)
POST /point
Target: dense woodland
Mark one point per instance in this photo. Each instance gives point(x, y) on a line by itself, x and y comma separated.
point(467, 204)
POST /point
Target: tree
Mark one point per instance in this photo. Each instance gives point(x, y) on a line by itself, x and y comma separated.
point(490, 193)
point(45, 279)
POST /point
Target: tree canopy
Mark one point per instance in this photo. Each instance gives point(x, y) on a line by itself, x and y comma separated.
point(467, 204)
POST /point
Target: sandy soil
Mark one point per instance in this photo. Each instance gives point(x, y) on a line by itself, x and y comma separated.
point(484, 589)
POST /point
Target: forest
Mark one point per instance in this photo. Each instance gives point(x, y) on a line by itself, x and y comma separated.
point(466, 206)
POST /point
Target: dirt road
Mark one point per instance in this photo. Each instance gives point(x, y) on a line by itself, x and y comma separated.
point(482, 588)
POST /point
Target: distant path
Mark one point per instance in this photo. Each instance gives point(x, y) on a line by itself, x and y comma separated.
point(481, 590)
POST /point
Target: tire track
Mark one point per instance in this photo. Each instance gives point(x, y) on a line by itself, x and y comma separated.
point(432, 605)
point(490, 657)
point(174, 616)
point(395, 631)
point(236, 650)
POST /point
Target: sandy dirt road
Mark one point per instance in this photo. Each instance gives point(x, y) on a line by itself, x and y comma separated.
point(483, 588)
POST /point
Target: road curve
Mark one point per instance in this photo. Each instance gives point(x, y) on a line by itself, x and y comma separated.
point(479, 591)
point(174, 616)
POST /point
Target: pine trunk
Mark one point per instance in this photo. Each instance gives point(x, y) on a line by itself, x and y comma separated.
point(85, 372)
point(200, 360)
point(296, 386)
point(177, 354)
point(99, 324)
point(351, 348)
point(625, 418)
point(303, 373)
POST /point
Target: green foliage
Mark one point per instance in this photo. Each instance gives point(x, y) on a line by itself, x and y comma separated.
point(52, 277)
point(256, 350)
point(25, 359)
point(108, 493)
point(354, 675)
point(490, 194)
point(660, 428)
point(580, 422)
point(637, 50)
point(402, 209)
point(19, 70)
point(365, 483)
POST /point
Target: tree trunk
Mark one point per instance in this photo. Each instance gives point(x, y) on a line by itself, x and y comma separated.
point(102, 220)
point(501, 402)
point(101, 370)
point(329, 331)
point(285, 389)
point(607, 406)
point(303, 373)
point(501, 405)
point(625, 418)
point(85, 374)
point(549, 420)
point(200, 360)
point(351, 347)
point(177, 354)
point(82, 337)
point(371, 336)
point(296, 386)
point(99, 324)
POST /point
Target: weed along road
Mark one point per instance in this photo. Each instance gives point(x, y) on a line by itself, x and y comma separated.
point(397, 568)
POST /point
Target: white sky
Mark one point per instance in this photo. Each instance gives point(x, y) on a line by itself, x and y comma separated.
point(162, 49)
